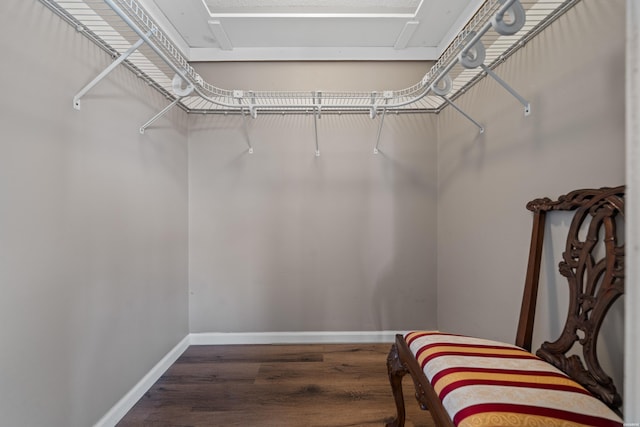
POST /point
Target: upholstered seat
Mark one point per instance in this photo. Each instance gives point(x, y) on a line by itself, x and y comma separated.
point(489, 383)
point(466, 381)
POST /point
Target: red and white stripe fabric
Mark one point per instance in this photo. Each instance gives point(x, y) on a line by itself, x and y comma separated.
point(485, 383)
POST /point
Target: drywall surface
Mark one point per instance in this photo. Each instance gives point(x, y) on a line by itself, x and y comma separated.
point(573, 74)
point(93, 226)
point(632, 264)
point(312, 75)
point(282, 240)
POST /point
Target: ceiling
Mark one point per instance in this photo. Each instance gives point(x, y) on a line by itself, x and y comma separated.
point(316, 30)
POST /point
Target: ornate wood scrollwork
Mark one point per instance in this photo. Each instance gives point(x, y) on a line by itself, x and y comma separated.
point(595, 281)
point(394, 366)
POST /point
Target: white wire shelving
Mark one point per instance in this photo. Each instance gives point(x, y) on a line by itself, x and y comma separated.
point(125, 30)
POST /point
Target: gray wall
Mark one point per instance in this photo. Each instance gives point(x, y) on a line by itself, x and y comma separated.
point(311, 75)
point(93, 216)
point(573, 74)
point(93, 226)
point(281, 240)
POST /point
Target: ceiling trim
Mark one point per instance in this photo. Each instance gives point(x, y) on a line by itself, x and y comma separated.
point(314, 54)
point(405, 35)
point(313, 15)
point(221, 36)
point(302, 9)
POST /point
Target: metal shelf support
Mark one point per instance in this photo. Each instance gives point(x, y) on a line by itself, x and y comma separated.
point(524, 102)
point(468, 117)
point(238, 94)
point(103, 74)
point(315, 128)
point(317, 100)
point(286, 102)
point(375, 149)
point(387, 96)
point(505, 17)
point(246, 131)
point(160, 114)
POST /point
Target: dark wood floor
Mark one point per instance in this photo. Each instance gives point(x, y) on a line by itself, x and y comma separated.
point(276, 385)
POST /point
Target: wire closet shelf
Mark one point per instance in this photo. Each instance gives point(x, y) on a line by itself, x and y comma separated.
point(497, 30)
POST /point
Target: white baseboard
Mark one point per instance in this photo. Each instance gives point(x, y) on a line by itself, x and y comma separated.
point(226, 338)
point(123, 406)
point(120, 409)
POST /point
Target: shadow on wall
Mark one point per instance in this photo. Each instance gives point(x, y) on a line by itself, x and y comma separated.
point(282, 240)
point(405, 289)
point(364, 221)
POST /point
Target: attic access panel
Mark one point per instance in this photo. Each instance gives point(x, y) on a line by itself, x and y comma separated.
point(317, 30)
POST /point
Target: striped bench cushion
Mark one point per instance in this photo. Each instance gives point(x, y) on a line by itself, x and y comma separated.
point(490, 383)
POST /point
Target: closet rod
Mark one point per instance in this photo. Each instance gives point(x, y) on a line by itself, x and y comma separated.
point(188, 74)
point(136, 18)
point(474, 39)
point(182, 72)
point(472, 55)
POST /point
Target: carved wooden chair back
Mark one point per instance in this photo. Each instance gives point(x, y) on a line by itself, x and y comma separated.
point(595, 278)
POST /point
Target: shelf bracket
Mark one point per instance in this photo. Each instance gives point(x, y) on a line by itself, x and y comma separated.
point(468, 117)
point(387, 96)
point(524, 102)
point(317, 100)
point(103, 74)
point(252, 112)
point(375, 149)
point(316, 113)
point(160, 114)
point(246, 131)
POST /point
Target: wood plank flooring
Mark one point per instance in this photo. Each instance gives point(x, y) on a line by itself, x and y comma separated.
point(276, 385)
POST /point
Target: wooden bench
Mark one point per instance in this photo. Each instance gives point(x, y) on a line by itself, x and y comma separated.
point(466, 381)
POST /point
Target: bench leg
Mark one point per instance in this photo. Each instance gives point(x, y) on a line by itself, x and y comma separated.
point(396, 371)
